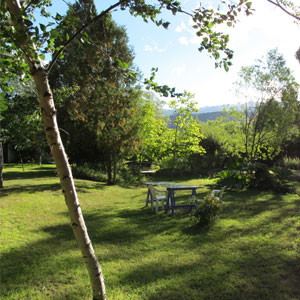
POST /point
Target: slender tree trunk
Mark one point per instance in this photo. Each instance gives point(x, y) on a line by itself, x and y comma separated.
point(175, 147)
point(109, 169)
point(115, 168)
point(67, 184)
point(247, 126)
point(40, 155)
point(1, 165)
point(45, 97)
point(21, 159)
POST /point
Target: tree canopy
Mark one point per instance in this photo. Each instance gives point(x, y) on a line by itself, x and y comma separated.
point(103, 103)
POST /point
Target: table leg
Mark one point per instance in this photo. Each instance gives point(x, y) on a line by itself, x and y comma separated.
point(194, 192)
point(172, 202)
point(148, 197)
point(168, 201)
point(194, 196)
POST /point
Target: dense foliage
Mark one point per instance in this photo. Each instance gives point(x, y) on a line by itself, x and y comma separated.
point(104, 102)
point(21, 124)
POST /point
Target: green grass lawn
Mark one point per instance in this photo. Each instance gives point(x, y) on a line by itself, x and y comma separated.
point(252, 252)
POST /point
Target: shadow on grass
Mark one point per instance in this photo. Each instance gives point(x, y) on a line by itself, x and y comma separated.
point(262, 274)
point(43, 263)
point(250, 203)
point(126, 227)
point(31, 189)
point(45, 172)
point(256, 269)
point(53, 187)
point(218, 280)
point(34, 265)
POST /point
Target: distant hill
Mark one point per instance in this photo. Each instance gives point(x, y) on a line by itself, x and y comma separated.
point(210, 109)
point(205, 109)
point(209, 116)
point(207, 113)
point(203, 117)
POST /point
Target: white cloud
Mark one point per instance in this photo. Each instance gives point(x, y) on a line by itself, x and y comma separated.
point(154, 48)
point(159, 50)
point(183, 40)
point(179, 70)
point(178, 29)
point(148, 48)
point(190, 37)
point(181, 27)
point(193, 40)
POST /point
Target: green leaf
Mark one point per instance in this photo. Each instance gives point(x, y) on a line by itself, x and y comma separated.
point(28, 22)
point(58, 17)
point(43, 27)
point(249, 4)
point(166, 25)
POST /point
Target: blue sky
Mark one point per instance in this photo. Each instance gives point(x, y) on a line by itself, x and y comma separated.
point(175, 50)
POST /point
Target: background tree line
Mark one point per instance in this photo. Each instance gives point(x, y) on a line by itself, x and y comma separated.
point(111, 126)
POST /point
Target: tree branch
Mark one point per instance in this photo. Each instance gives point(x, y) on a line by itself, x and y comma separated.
point(277, 3)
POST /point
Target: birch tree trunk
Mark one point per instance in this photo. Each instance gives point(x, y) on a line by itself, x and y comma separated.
point(45, 97)
point(1, 165)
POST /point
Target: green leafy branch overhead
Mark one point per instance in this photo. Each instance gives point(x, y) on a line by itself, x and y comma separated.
point(47, 39)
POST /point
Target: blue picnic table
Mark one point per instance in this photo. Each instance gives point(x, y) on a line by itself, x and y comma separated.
point(171, 188)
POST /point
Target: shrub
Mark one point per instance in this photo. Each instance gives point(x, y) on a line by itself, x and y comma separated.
point(130, 174)
point(260, 176)
point(233, 178)
point(281, 184)
point(90, 172)
point(283, 174)
point(257, 175)
point(206, 213)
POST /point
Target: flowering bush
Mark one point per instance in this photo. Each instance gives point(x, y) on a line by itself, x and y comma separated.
point(207, 212)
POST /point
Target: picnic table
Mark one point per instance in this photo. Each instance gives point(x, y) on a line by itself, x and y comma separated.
point(171, 188)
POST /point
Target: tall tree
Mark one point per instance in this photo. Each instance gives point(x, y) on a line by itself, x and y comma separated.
point(105, 102)
point(271, 107)
point(22, 49)
point(156, 136)
point(187, 130)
